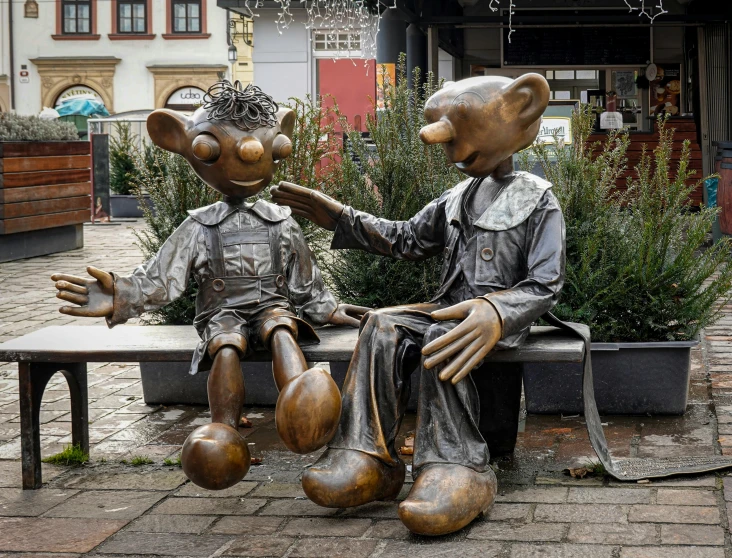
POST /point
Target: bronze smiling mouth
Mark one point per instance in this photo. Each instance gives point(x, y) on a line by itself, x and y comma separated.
point(249, 183)
point(465, 163)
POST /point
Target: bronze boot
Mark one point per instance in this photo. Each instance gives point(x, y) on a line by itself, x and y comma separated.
point(346, 478)
point(445, 498)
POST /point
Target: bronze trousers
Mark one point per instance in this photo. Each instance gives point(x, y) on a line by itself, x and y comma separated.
point(376, 391)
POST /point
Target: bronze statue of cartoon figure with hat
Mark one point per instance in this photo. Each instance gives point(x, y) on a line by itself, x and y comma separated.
point(501, 236)
point(258, 281)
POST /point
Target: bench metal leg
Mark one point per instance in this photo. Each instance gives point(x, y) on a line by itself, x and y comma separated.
point(499, 389)
point(33, 379)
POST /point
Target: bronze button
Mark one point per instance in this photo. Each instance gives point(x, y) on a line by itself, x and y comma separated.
point(486, 254)
point(218, 285)
point(280, 281)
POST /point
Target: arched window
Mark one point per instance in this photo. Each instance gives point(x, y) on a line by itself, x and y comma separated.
point(185, 99)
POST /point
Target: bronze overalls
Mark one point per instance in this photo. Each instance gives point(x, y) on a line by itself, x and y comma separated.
point(240, 310)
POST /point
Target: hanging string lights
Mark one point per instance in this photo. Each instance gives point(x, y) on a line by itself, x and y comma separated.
point(362, 18)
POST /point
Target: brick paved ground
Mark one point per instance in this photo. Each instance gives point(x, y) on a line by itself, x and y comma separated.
point(111, 507)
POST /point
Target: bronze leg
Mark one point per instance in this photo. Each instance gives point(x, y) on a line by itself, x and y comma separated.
point(226, 387)
point(215, 456)
point(309, 404)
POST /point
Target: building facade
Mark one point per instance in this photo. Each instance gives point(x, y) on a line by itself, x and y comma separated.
point(130, 54)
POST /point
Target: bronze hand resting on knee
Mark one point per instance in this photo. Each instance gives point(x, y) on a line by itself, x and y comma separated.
point(501, 236)
point(258, 282)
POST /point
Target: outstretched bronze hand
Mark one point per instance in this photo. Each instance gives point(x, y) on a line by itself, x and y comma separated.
point(467, 344)
point(322, 210)
point(95, 297)
point(348, 314)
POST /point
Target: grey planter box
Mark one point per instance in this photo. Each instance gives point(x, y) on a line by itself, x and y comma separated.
point(169, 383)
point(125, 206)
point(630, 379)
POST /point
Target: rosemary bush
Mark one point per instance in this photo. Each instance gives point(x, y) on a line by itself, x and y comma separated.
point(123, 172)
point(316, 154)
point(14, 127)
point(393, 176)
point(174, 188)
point(637, 269)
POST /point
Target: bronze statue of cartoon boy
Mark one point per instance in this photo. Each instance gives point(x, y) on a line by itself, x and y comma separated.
point(258, 281)
point(501, 236)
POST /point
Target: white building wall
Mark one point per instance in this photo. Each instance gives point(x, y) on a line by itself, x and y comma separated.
point(133, 82)
point(283, 65)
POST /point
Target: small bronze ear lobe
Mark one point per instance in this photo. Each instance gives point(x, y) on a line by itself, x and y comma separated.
point(286, 118)
point(529, 96)
point(437, 132)
point(167, 130)
point(281, 147)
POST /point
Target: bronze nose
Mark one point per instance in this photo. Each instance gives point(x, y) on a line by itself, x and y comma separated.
point(251, 150)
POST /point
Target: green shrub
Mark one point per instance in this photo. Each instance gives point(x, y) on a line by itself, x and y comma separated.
point(123, 172)
point(174, 188)
point(392, 175)
point(316, 154)
point(637, 269)
point(14, 127)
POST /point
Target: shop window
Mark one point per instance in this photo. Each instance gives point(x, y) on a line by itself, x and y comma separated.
point(77, 17)
point(187, 16)
point(132, 16)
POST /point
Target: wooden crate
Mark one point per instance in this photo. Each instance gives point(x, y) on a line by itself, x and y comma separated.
point(44, 185)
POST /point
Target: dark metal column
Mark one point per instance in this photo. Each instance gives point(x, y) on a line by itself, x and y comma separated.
point(416, 53)
point(392, 38)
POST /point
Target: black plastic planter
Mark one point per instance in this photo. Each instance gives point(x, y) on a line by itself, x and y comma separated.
point(630, 379)
point(126, 205)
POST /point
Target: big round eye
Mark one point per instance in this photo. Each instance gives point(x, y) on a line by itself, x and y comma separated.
point(206, 148)
point(281, 147)
point(462, 109)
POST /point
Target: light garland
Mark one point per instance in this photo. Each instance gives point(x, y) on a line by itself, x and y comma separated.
point(332, 16)
point(355, 16)
point(642, 11)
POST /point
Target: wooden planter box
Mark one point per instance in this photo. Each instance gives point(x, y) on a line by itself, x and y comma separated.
point(45, 197)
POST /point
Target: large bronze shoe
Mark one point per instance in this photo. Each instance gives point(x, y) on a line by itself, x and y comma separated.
point(346, 478)
point(215, 456)
point(445, 498)
point(308, 411)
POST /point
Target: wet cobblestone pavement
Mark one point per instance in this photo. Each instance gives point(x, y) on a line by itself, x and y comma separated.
point(111, 507)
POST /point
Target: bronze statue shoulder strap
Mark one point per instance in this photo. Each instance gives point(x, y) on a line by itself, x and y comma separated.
point(632, 469)
point(214, 250)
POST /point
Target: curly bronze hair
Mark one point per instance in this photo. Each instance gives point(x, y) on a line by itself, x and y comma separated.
point(247, 107)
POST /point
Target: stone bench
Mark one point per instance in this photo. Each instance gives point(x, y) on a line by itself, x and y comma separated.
point(68, 349)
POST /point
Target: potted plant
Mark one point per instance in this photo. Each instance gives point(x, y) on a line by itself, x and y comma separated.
point(638, 273)
point(45, 187)
point(124, 173)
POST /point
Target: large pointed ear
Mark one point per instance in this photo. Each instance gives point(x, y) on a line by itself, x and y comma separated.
point(528, 97)
point(167, 129)
point(286, 117)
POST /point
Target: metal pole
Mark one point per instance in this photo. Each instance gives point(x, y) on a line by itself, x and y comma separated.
point(12, 54)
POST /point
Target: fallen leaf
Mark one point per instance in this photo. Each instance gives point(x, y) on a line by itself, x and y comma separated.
point(579, 472)
point(256, 460)
point(405, 450)
point(244, 422)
